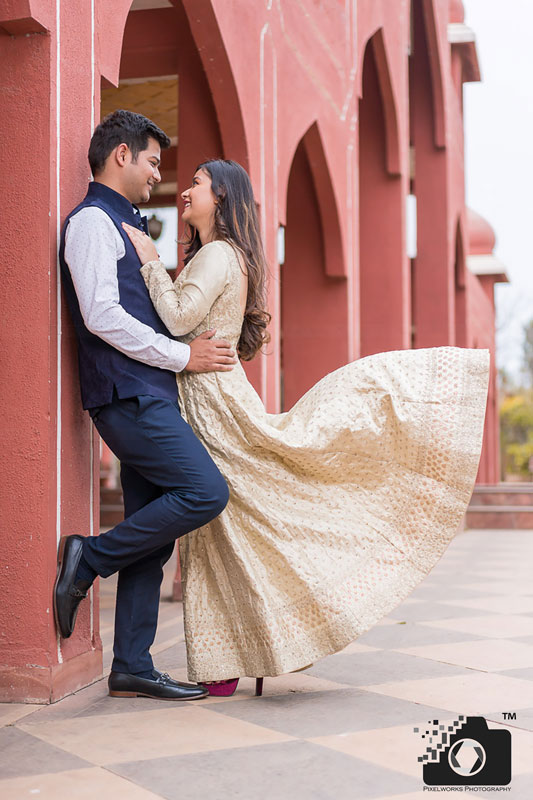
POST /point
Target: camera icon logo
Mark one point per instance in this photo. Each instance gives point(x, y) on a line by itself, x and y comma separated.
point(467, 757)
point(466, 753)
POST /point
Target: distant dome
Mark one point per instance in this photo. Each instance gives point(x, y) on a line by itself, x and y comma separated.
point(457, 11)
point(481, 235)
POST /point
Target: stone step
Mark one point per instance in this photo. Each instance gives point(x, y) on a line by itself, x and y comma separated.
point(507, 486)
point(111, 497)
point(111, 515)
point(503, 494)
point(105, 474)
point(515, 517)
point(501, 499)
point(111, 506)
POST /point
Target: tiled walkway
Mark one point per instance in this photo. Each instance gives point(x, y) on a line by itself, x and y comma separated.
point(461, 644)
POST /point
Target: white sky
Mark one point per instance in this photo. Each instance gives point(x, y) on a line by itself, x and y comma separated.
point(499, 155)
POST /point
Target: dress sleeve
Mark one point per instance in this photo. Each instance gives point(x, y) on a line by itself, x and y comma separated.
point(182, 305)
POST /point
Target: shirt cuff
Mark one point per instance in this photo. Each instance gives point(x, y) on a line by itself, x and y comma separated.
point(187, 357)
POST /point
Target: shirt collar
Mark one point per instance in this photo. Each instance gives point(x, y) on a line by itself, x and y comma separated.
point(118, 201)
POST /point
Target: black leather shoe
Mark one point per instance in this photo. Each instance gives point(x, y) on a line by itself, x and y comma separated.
point(68, 594)
point(161, 687)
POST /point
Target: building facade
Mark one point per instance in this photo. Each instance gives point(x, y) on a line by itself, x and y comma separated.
point(347, 115)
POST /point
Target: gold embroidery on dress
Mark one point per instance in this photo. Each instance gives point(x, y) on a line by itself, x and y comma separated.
point(338, 508)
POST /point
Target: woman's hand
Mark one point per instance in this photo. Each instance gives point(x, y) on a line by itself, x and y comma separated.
point(146, 249)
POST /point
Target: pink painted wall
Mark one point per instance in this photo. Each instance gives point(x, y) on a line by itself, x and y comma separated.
point(49, 486)
point(27, 401)
point(482, 334)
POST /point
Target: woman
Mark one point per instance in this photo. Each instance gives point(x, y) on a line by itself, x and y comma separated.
point(339, 507)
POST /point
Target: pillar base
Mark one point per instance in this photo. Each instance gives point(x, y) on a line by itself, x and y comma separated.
point(40, 684)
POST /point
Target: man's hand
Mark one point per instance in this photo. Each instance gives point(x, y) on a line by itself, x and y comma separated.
point(210, 355)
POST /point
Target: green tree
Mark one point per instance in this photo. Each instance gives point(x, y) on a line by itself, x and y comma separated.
point(516, 423)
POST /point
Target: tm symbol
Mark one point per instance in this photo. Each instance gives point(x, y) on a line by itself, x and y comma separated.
point(509, 715)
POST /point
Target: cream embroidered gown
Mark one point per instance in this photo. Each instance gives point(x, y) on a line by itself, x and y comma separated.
point(338, 508)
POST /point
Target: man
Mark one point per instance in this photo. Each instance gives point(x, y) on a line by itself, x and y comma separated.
point(128, 384)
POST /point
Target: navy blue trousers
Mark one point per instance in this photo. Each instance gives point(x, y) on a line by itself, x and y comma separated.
point(171, 487)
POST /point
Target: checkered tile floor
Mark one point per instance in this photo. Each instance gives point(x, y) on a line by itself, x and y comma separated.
point(462, 643)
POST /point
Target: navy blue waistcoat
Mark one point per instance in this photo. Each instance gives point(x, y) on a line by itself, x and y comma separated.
point(103, 369)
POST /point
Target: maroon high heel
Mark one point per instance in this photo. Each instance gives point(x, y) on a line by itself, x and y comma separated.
point(221, 688)
point(228, 688)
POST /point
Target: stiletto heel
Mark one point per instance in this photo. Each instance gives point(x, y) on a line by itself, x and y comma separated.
point(227, 688)
point(221, 688)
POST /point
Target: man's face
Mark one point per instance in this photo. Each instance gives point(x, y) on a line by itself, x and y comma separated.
point(140, 176)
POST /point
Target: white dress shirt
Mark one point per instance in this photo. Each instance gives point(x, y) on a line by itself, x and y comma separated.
point(93, 246)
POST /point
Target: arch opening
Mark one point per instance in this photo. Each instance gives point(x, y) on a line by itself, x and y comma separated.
point(425, 42)
point(383, 276)
point(388, 100)
point(314, 299)
point(432, 269)
point(161, 75)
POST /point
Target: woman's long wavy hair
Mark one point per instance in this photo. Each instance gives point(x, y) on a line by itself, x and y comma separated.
point(236, 222)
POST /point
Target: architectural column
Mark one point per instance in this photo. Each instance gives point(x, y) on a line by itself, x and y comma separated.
point(48, 488)
point(484, 270)
point(433, 284)
point(383, 264)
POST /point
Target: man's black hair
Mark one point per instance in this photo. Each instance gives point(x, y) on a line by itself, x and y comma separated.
point(123, 127)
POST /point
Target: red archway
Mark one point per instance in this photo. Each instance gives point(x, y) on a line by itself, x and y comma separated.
point(201, 23)
point(161, 75)
point(212, 50)
point(425, 13)
point(388, 99)
point(314, 300)
point(334, 261)
point(432, 277)
point(383, 268)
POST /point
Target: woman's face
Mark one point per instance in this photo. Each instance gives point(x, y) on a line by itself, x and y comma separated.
point(200, 202)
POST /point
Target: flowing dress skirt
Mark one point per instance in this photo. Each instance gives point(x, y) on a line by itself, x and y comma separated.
point(338, 508)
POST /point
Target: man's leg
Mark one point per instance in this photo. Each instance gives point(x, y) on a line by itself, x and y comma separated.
point(171, 486)
point(138, 589)
point(149, 435)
